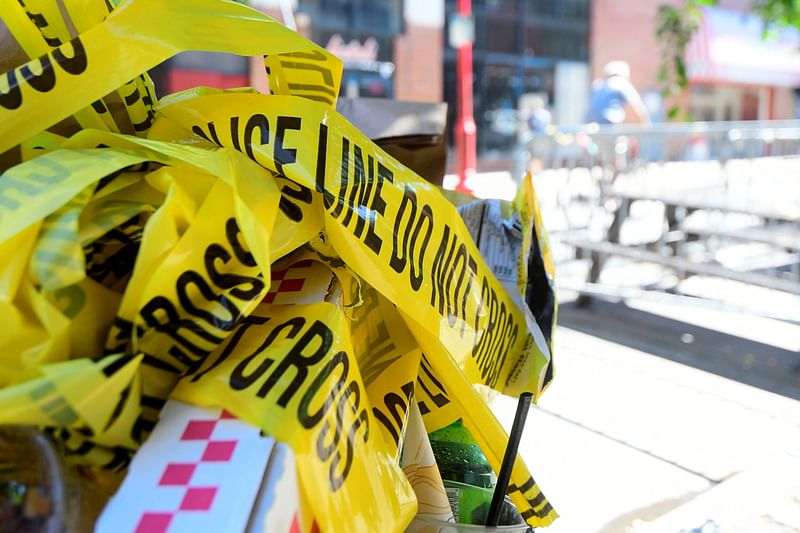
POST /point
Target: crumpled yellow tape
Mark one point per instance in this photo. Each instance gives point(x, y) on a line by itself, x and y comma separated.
point(390, 226)
point(110, 54)
point(291, 370)
point(95, 400)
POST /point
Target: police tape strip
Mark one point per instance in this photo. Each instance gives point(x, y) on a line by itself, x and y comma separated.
point(536, 259)
point(390, 226)
point(545, 250)
point(29, 193)
point(29, 25)
point(57, 260)
point(86, 433)
point(541, 230)
point(201, 265)
point(57, 305)
point(87, 68)
point(65, 394)
point(291, 371)
point(389, 361)
point(523, 208)
point(105, 212)
point(437, 409)
point(48, 18)
point(245, 197)
point(36, 332)
point(37, 188)
point(93, 137)
point(84, 14)
point(40, 144)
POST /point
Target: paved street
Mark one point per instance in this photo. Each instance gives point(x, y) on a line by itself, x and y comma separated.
point(635, 426)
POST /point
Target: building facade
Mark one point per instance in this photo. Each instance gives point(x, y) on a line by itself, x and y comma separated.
point(721, 88)
point(526, 53)
point(390, 48)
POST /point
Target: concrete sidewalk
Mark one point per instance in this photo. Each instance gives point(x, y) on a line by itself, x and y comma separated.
point(640, 439)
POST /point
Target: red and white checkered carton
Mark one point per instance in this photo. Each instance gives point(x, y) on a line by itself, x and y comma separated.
point(205, 470)
point(303, 281)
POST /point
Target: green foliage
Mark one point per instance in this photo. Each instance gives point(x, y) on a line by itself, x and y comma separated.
point(780, 12)
point(674, 29)
point(673, 112)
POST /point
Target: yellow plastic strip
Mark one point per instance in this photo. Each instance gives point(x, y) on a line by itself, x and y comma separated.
point(33, 42)
point(394, 229)
point(87, 68)
point(291, 370)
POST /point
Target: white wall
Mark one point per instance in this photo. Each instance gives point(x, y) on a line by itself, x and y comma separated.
point(571, 93)
point(429, 13)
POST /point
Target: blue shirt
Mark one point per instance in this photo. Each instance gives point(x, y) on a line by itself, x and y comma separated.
point(609, 96)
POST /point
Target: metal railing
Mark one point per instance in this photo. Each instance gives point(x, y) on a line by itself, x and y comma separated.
point(593, 144)
point(702, 176)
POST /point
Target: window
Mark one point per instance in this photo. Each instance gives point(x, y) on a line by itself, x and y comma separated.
point(575, 9)
point(496, 34)
point(561, 43)
point(376, 17)
point(517, 45)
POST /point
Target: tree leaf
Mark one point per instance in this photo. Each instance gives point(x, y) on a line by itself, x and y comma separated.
point(673, 111)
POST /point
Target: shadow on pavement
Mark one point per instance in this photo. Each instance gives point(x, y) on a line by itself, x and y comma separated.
point(760, 365)
point(650, 512)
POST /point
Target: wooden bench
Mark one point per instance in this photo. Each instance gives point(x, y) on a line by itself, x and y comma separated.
point(782, 236)
point(704, 199)
point(682, 265)
point(678, 205)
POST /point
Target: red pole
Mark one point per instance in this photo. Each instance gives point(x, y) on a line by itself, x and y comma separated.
point(465, 123)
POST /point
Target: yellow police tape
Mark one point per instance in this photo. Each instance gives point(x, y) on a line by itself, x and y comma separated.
point(291, 371)
point(141, 34)
point(150, 291)
point(395, 374)
point(389, 225)
point(161, 249)
point(94, 401)
point(389, 360)
point(191, 260)
point(34, 34)
point(537, 285)
point(545, 250)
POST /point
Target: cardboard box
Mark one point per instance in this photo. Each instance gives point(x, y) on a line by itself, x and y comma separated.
point(204, 470)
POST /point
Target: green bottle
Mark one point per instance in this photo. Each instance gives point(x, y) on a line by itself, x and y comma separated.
point(468, 478)
point(459, 457)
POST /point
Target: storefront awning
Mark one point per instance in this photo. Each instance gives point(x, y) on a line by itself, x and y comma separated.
point(728, 48)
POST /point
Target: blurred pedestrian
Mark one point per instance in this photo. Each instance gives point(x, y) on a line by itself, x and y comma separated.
point(539, 120)
point(614, 99)
point(539, 117)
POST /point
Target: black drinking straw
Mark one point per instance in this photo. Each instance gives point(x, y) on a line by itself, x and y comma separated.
point(504, 476)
